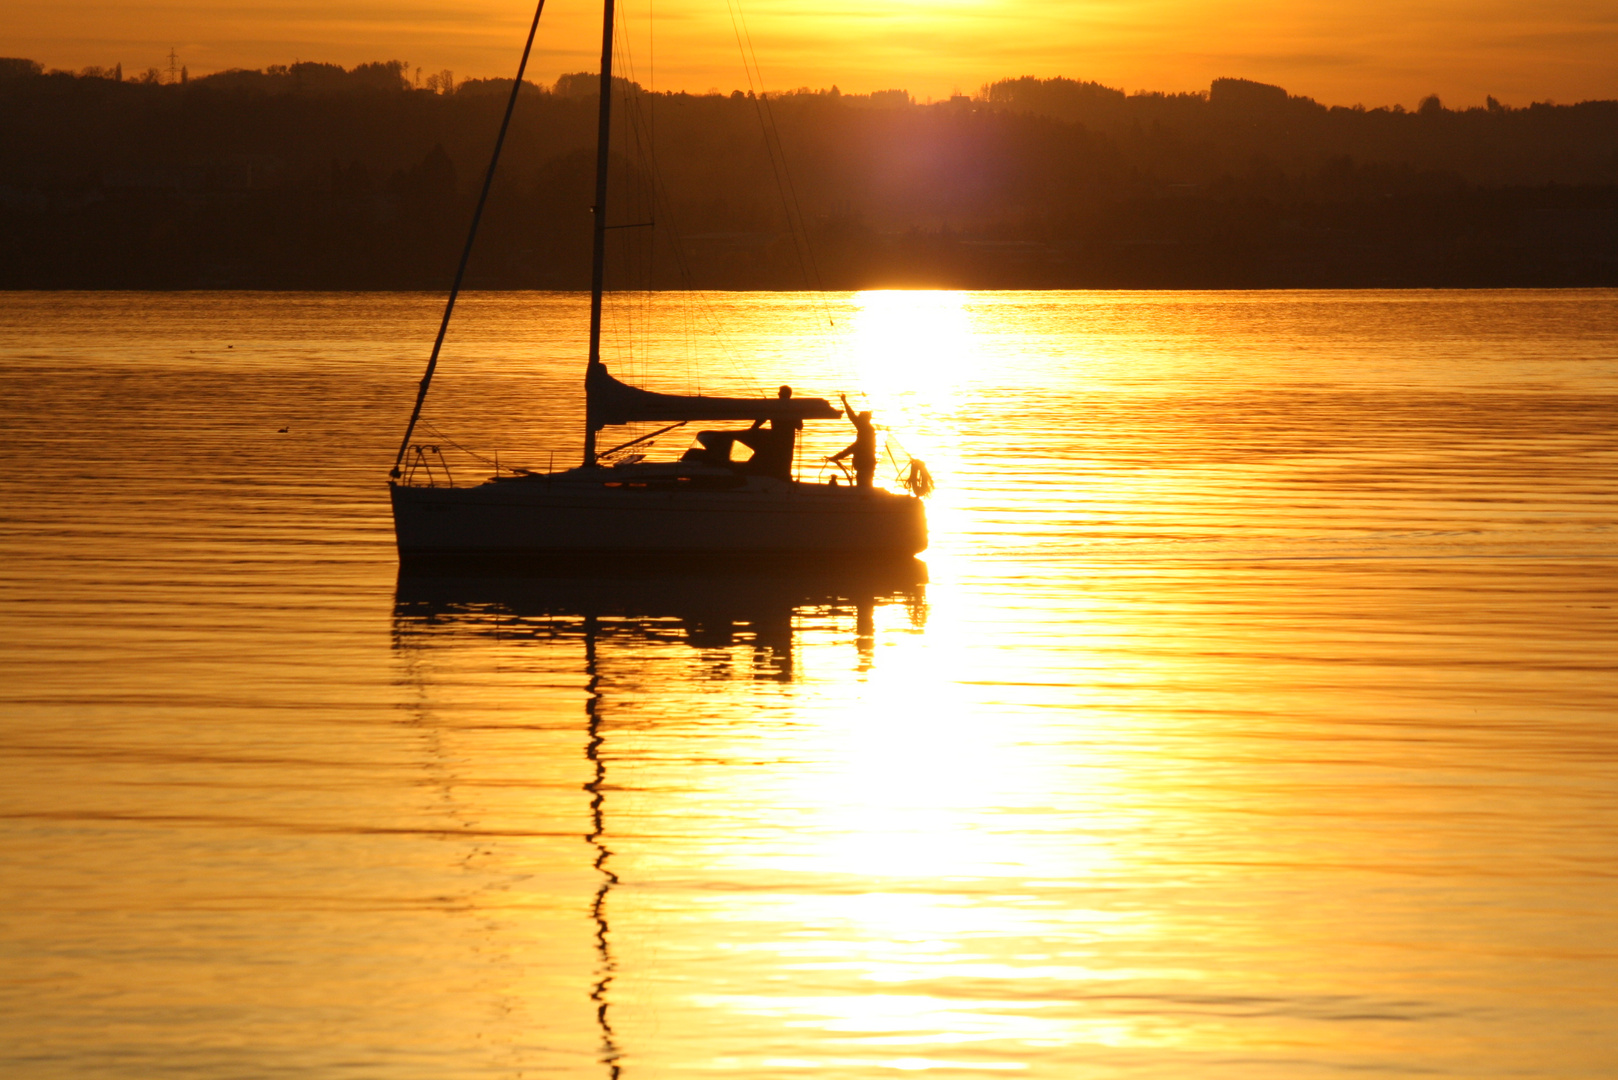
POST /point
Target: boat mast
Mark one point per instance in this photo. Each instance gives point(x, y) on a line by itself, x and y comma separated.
point(598, 264)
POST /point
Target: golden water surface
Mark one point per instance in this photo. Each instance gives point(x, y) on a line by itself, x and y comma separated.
point(1253, 715)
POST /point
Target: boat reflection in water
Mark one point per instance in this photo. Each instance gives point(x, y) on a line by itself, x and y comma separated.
point(624, 620)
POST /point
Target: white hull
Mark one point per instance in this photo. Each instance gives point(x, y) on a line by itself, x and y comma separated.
point(630, 512)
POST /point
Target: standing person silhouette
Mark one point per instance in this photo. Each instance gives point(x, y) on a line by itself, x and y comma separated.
point(863, 448)
point(773, 447)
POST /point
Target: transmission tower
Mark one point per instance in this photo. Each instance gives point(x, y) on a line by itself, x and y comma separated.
point(174, 66)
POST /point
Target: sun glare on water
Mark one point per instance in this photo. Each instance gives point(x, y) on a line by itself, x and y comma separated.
point(914, 351)
point(916, 356)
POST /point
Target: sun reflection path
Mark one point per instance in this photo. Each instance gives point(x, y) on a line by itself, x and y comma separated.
point(934, 886)
point(1134, 803)
point(914, 351)
point(916, 356)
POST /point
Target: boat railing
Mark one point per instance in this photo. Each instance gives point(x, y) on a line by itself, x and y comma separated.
point(421, 461)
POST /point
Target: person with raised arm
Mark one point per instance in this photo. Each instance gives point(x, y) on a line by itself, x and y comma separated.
point(862, 449)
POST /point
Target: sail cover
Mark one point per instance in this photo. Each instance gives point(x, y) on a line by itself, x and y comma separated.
point(614, 402)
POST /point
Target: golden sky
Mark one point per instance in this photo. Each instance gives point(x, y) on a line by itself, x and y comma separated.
point(1375, 52)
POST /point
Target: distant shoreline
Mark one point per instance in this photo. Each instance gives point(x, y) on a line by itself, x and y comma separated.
point(311, 177)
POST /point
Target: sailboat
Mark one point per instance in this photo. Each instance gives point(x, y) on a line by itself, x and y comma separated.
point(620, 507)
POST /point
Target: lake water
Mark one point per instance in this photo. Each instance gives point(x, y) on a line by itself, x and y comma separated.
point(1254, 715)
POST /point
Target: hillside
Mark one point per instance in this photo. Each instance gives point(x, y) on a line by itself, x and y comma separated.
point(310, 176)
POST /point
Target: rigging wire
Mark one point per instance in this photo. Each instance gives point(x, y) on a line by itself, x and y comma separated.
point(432, 430)
point(633, 310)
point(806, 254)
point(471, 237)
point(758, 96)
point(633, 137)
point(700, 302)
point(696, 300)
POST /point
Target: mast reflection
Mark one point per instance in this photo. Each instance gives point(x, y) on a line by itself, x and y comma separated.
point(629, 616)
point(598, 829)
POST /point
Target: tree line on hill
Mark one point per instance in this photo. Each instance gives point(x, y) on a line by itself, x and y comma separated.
point(315, 176)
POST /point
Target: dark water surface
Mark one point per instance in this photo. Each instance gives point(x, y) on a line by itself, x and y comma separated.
point(1257, 716)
